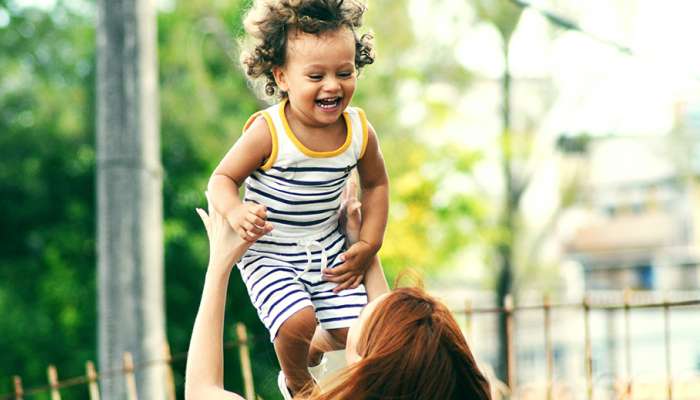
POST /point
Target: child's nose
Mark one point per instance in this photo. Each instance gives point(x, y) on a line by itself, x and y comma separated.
point(332, 84)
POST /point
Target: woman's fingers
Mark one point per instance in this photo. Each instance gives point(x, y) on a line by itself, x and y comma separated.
point(354, 207)
point(205, 220)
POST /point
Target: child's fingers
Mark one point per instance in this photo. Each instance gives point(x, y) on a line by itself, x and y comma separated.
point(339, 278)
point(346, 284)
point(252, 237)
point(259, 210)
point(255, 220)
point(338, 270)
point(252, 229)
point(358, 281)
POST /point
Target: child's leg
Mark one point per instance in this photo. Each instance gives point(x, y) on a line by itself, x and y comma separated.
point(334, 339)
point(325, 341)
point(292, 347)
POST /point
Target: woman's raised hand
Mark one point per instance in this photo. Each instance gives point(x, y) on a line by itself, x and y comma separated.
point(226, 247)
point(350, 212)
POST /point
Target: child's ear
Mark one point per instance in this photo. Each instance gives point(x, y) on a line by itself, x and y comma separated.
point(280, 78)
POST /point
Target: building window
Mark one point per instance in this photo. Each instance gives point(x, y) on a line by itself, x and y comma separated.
point(645, 277)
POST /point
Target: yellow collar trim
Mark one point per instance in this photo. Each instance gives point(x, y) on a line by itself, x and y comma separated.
point(306, 150)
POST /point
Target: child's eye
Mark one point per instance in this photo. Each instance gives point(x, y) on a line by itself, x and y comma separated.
point(345, 74)
point(315, 77)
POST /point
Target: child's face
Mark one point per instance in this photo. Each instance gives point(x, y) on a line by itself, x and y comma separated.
point(319, 75)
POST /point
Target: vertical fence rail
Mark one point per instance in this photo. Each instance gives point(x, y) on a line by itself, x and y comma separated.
point(667, 349)
point(53, 382)
point(628, 349)
point(19, 391)
point(91, 375)
point(468, 320)
point(510, 331)
point(588, 352)
point(244, 355)
point(546, 307)
point(169, 376)
point(131, 391)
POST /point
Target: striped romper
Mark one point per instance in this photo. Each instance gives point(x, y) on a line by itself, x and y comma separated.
point(301, 189)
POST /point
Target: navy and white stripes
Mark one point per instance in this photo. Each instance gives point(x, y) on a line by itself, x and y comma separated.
point(301, 189)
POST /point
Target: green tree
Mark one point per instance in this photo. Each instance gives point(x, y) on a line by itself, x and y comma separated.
point(47, 173)
point(47, 251)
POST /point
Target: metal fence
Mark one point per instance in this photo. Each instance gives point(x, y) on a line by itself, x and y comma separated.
point(92, 377)
point(626, 390)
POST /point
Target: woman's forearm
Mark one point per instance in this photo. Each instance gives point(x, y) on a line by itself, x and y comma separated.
point(375, 281)
point(205, 364)
point(205, 355)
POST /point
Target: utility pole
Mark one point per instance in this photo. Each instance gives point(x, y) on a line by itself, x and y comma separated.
point(129, 197)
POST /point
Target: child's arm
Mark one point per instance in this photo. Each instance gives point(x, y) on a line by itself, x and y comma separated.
point(375, 209)
point(249, 220)
point(351, 220)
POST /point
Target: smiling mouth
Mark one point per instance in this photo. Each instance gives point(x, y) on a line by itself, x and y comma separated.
point(329, 102)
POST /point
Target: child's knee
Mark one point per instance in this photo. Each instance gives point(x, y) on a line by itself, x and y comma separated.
point(300, 326)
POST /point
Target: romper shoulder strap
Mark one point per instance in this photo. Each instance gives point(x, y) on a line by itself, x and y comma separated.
point(266, 114)
point(360, 130)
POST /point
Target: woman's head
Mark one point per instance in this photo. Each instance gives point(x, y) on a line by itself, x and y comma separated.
point(409, 346)
point(275, 24)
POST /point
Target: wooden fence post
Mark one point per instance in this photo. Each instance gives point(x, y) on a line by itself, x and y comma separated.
point(91, 374)
point(19, 391)
point(468, 321)
point(588, 353)
point(667, 350)
point(244, 355)
point(169, 378)
point(628, 347)
point(510, 332)
point(546, 307)
point(53, 382)
point(131, 392)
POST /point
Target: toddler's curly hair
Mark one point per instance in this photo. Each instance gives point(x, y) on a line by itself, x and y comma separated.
point(268, 22)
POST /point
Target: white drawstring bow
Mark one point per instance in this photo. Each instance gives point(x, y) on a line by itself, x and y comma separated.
point(307, 244)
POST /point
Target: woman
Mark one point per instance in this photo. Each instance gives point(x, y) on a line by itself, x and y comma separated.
point(404, 345)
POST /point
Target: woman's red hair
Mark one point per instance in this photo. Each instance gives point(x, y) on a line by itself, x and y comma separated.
point(411, 348)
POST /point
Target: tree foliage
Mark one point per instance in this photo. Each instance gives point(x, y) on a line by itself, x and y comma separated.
point(47, 172)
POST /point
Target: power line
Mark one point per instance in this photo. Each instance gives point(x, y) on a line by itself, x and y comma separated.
point(568, 24)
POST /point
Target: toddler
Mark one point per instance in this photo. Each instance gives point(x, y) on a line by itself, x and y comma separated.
point(295, 159)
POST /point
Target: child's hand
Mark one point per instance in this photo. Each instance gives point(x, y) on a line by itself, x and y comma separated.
point(249, 220)
point(350, 213)
point(351, 272)
point(225, 246)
